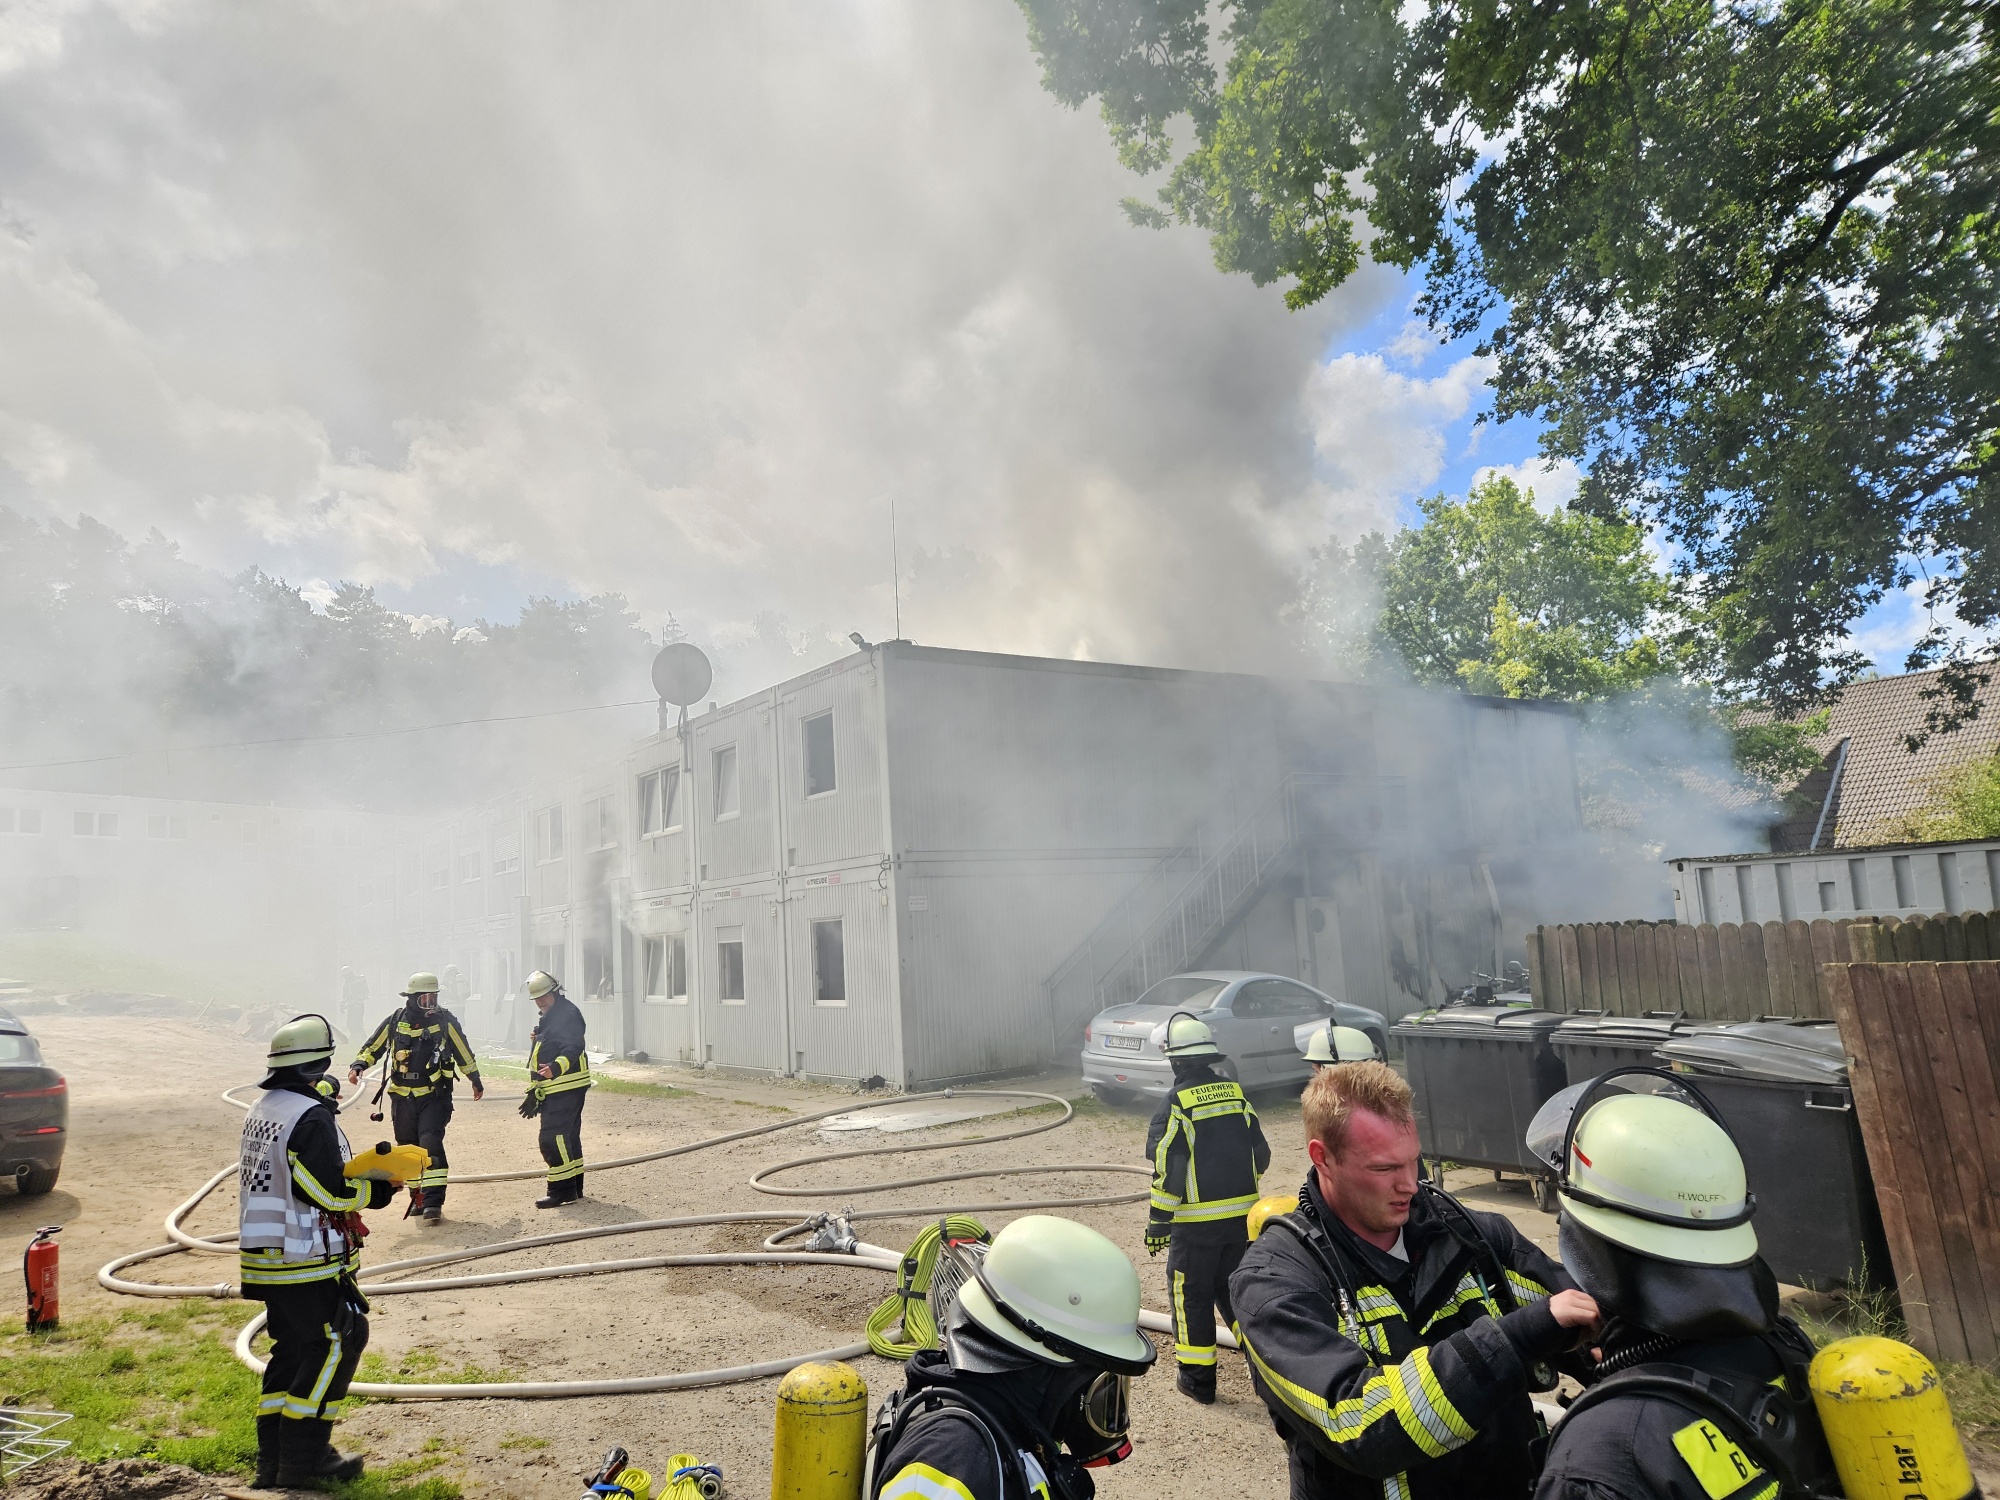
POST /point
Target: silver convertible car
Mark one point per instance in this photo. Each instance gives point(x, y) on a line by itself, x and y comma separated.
point(1260, 1022)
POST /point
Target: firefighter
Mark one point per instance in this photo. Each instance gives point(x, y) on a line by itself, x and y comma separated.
point(560, 1074)
point(427, 1051)
point(1393, 1334)
point(1705, 1395)
point(1338, 1044)
point(1029, 1392)
point(1208, 1151)
point(299, 1235)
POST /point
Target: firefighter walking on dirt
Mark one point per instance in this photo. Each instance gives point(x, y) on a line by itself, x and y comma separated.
point(299, 1235)
point(559, 1075)
point(1208, 1151)
point(427, 1051)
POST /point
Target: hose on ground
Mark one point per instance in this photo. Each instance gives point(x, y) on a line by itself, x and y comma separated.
point(908, 1316)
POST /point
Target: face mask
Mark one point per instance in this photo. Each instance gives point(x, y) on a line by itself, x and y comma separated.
point(427, 1001)
point(1096, 1426)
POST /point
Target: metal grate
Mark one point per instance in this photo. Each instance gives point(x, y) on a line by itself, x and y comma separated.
point(946, 1279)
point(24, 1438)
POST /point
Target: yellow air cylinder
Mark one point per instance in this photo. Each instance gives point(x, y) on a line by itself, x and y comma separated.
point(1887, 1422)
point(1265, 1208)
point(822, 1433)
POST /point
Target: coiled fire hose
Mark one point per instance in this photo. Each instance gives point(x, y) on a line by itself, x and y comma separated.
point(831, 1242)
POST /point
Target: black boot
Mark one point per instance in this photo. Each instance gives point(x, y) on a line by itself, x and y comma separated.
point(576, 1188)
point(267, 1452)
point(308, 1457)
point(433, 1205)
point(1198, 1382)
point(556, 1197)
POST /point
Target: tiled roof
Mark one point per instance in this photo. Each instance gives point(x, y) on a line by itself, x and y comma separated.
point(1881, 781)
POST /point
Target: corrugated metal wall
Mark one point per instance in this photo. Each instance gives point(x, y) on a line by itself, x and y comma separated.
point(1922, 878)
point(852, 1038)
point(751, 1032)
point(737, 846)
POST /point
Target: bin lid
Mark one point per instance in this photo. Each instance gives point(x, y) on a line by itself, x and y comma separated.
point(1478, 1020)
point(1782, 1051)
point(1590, 1027)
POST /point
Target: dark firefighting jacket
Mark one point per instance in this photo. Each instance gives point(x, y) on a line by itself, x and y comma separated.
point(427, 1050)
point(1208, 1151)
point(1393, 1380)
point(557, 1044)
point(1745, 1429)
point(953, 1436)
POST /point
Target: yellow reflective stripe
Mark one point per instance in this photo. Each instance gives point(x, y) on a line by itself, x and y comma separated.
point(1527, 1290)
point(922, 1482)
point(1341, 1422)
point(1377, 1302)
point(1215, 1111)
point(1432, 1422)
point(1396, 1487)
point(1165, 1200)
point(332, 1203)
point(1718, 1464)
point(316, 1397)
point(271, 1404)
point(290, 1275)
point(570, 1166)
point(1465, 1292)
point(1192, 1212)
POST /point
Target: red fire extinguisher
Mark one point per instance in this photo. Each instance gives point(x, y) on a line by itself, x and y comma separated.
point(42, 1266)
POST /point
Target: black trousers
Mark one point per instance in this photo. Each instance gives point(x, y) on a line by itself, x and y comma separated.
point(420, 1120)
point(316, 1341)
point(562, 1142)
point(1200, 1262)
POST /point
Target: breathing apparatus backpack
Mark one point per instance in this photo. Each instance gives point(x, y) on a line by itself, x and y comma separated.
point(1066, 1479)
point(1776, 1425)
point(915, 1309)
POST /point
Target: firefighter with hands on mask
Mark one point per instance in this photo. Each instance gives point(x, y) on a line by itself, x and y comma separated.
point(1393, 1334)
point(299, 1234)
point(1702, 1391)
point(1208, 1150)
point(1029, 1392)
point(559, 1071)
point(427, 1051)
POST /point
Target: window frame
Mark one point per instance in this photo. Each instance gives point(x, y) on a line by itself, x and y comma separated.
point(820, 997)
point(832, 786)
point(660, 788)
point(671, 968)
point(734, 783)
point(549, 834)
point(722, 967)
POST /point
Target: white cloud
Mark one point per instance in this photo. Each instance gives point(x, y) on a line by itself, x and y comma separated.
point(668, 298)
point(1888, 631)
point(1554, 483)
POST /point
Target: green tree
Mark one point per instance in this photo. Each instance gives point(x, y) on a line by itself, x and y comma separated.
point(1964, 803)
point(1741, 260)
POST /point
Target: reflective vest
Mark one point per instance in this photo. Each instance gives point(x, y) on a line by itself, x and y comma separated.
point(283, 1240)
point(1205, 1166)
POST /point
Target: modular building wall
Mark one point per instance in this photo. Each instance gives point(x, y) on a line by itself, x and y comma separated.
point(1892, 880)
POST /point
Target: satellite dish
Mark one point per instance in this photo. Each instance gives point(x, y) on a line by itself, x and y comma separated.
point(681, 674)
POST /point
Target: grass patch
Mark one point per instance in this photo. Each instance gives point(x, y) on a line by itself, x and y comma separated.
point(425, 1366)
point(160, 1383)
point(79, 962)
point(769, 1109)
point(523, 1440)
point(602, 1082)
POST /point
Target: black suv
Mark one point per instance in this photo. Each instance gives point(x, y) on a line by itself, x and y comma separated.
point(34, 1110)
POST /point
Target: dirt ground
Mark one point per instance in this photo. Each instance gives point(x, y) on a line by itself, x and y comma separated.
point(147, 1127)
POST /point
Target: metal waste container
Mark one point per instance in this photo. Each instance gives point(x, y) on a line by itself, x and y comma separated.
point(1479, 1073)
point(1783, 1088)
point(1590, 1042)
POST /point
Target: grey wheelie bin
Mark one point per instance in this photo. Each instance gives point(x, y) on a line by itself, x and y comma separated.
point(1590, 1042)
point(1782, 1087)
point(1479, 1073)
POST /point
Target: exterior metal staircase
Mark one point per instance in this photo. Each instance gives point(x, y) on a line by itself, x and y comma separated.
point(1177, 910)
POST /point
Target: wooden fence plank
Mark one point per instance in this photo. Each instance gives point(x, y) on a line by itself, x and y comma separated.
point(1586, 968)
point(1855, 991)
point(1624, 938)
point(1644, 935)
point(1667, 966)
point(1923, 1031)
point(1965, 990)
point(1978, 936)
point(1805, 968)
point(1607, 967)
point(1783, 995)
point(1714, 991)
point(1572, 967)
point(1756, 972)
point(1952, 930)
point(1538, 979)
point(1687, 968)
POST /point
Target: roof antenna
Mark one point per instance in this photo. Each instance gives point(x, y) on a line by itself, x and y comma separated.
point(895, 563)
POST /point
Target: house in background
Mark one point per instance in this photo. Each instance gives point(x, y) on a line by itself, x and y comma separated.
point(1844, 850)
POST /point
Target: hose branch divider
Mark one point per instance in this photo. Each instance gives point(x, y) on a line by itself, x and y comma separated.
point(830, 1241)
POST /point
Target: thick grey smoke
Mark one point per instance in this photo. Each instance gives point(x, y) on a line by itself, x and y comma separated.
point(670, 299)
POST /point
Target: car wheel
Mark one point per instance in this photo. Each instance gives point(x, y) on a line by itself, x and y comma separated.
point(1112, 1096)
point(37, 1180)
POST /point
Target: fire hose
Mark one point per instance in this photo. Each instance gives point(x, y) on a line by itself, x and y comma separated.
point(831, 1243)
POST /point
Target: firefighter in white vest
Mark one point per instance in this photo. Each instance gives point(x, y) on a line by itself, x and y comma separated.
point(300, 1235)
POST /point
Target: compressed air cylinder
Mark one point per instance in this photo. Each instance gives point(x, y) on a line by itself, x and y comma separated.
point(822, 1431)
point(1266, 1208)
point(1887, 1422)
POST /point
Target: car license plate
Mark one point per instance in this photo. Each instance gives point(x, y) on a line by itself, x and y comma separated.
point(1122, 1043)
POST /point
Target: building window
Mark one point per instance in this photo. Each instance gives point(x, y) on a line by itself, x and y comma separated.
point(20, 820)
point(597, 970)
point(506, 855)
point(166, 827)
point(659, 801)
point(549, 959)
point(729, 965)
point(728, 803)
point(94, 825)
point(666, 969)
point(598, 824)
point(468, 867)
point(549, 834)
point(829, 964)
point(819, 755)
point(440, 878)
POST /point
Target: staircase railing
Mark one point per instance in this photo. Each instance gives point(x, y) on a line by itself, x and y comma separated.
point(1175, 912)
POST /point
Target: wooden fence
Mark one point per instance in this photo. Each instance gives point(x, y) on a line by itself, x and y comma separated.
point(1733, 972)
point(1925, 1039)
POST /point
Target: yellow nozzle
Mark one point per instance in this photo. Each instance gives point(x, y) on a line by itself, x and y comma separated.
point(387, 1163)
